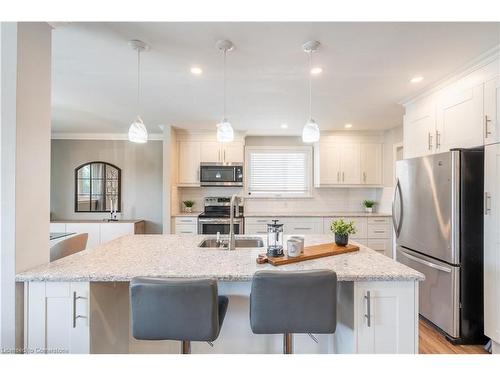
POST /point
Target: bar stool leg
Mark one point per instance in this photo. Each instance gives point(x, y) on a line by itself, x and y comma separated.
point(186, 347)
point(288, 343)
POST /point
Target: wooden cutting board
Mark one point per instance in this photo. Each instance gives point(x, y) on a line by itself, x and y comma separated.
point(310, 252)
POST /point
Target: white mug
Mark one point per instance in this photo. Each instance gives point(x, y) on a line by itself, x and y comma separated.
point(293, 248)
point(299, 239)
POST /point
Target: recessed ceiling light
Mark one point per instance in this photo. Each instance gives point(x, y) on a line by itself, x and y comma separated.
point(316, 70)
point(416, 79)
point(284, 126)
point(196, 70)
point(348, 126)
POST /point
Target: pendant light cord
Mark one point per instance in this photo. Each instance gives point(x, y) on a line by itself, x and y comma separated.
point(310, 85)
point(224, 101)
point(138, 80)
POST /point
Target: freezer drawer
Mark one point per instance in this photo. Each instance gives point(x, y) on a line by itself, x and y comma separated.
point(439, 292)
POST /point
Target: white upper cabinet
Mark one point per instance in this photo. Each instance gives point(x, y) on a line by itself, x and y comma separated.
point(233, 152)
point(348, 160)
point(350, 163)
point(459, 118)
point(371, 163)
point(419, 128)
point(492, 111)
point(189, 163)
point(210, 152)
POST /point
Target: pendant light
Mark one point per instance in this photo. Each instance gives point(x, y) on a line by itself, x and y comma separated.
point(225, 131)
point(137, 132)
point(310, 132)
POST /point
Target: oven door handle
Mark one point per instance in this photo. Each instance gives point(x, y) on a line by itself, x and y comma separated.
point(219, 221)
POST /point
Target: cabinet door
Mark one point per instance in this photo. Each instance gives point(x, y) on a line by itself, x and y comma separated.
point(371, 163)
point(460, 119)
point(110, 231)
point(210, 152)
point(492, 111)
point(387, 317)
point(419, 127)
point(492, 242)
point(329, 164)
point(233, 152)
point(189, 163)
point(58, 317)
point(350, 163)
point(93, 230)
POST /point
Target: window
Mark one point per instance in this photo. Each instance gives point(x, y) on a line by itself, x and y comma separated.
point(97, 187)
point(279, 171)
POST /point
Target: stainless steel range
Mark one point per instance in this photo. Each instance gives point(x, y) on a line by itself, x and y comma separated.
point(216, 216)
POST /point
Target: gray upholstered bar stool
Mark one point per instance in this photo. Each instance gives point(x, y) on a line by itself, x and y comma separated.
point(293, 302)
point(176, 309)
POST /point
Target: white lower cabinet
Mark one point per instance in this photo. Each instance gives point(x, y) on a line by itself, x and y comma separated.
point(186, 225)
point(386, 315)
point(57, 317)
point(492, 243)
point(291, 225)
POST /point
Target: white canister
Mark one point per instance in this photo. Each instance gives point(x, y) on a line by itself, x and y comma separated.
point(299, 239)
point(293, 248)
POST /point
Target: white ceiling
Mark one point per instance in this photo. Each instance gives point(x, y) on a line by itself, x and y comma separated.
point(366, 72)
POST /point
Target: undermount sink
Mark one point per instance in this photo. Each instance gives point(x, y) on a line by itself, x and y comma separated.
point(240, 242)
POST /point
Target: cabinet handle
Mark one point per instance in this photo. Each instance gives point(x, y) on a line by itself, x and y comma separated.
point(368, 309)
point(429, 141)
point(342, 176)
point(364, 176)
point(261, 232)
point(379, 231)
point(338, 176)
point(75, 317)
point(487, 208)
point(486, 122)
point(438, 140)
point(186, 232)
point(261, 221)
point(302, 228)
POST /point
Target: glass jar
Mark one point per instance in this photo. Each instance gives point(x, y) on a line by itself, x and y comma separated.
point(275, 239)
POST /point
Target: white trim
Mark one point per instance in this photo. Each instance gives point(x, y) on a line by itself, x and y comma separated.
point(103, 136)
point(473, 65)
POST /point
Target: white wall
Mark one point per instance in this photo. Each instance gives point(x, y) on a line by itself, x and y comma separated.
point(25, 160)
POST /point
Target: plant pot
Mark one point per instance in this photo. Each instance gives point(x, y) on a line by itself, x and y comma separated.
point(369, 210)
point(341, 240)
point(188, 209)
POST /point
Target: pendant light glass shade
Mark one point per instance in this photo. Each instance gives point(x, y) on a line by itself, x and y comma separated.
point(310, 132)
point(137, 132)
point(225, 132)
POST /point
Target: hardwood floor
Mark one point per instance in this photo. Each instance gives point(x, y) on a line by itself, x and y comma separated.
point(433, 342)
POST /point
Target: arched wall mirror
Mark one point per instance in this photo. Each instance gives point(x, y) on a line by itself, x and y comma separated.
point(97, 187)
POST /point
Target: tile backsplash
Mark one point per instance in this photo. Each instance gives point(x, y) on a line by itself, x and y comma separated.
point(324, 200)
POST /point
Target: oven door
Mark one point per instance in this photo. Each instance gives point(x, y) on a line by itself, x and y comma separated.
point(212, 226)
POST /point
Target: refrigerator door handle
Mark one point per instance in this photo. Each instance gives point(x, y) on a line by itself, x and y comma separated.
point(422, 261)
point(397, 191)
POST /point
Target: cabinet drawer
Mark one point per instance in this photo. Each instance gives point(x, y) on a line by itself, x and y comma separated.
point(183, 220)
point(379, 231)
point(259, 220)
point(186, 229)
point(379, 220)
point(382, 246)
point(255, 228)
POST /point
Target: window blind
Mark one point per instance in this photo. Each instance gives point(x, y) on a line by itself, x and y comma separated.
point(280, 172)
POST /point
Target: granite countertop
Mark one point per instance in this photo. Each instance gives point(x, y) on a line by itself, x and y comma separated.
point(179, 214)
point(96, 221)
point(315, 214)
point(180, 256)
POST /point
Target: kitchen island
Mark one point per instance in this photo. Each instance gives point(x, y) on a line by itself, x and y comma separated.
point(79, 304)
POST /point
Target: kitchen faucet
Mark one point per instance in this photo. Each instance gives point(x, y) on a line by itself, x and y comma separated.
point(232, 241)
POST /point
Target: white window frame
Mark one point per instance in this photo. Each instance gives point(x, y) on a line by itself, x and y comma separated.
point(308, 150)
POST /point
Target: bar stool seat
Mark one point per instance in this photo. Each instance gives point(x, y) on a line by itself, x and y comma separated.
point(176, 309)
point(293, 302)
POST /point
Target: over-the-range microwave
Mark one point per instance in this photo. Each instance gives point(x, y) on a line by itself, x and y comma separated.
point(218, 174)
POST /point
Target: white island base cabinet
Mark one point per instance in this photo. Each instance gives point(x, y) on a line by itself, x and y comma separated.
point(81, 317)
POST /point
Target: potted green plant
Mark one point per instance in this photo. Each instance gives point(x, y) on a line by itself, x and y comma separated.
point(369, 204)
point(188, 206)
point(342, 230)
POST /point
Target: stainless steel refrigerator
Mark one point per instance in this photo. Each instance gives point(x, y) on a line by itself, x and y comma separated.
point(438, 223)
